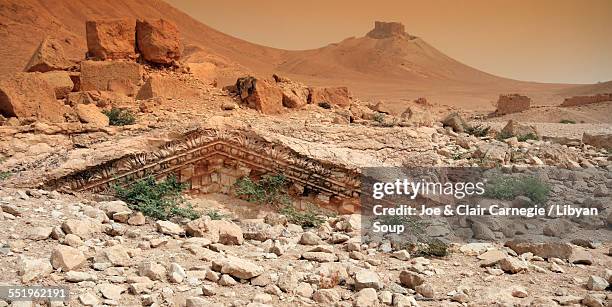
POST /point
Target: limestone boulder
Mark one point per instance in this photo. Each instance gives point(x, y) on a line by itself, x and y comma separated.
point(519, 130)
point(101, 75)
point(333, 95)
point(91, 114)
point(111, 39)
point(261, 95)
point(158, 40)
point(48, 56)
point(166, 87)
point(29, 95)
point(67, 258)
point(60, 81)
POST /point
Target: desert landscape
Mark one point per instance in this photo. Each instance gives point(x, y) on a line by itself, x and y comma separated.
point(147, 159)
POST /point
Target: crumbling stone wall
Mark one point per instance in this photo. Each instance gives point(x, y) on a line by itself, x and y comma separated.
point(512, 103)
point(584, 100)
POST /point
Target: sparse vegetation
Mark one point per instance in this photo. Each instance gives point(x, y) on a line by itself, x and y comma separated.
point(269, 190)
point(215, 215)
point(567, 121)
point(477, 131)
point(525, 137)
point(307, 218)
point(324, 105)
point(502, 135)
point(379, 117)
point(5, 175)
point(431, 248)
point(159, 200)
point(120, 117)
point(508, 188)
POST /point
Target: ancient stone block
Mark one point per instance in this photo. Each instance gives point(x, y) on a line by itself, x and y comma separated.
point(29, 95)
point(158, 41)
point(166, 87)
point(48, 56)
point(261, 95)
point(334, 95)
point(111, 38)
point(97, 75)
point(60, 81)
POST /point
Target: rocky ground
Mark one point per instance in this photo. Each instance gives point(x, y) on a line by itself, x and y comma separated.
point(108, 255)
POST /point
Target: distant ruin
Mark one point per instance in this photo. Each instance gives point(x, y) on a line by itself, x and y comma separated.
point(512, 103)
point(583, 100)
point(384, 30)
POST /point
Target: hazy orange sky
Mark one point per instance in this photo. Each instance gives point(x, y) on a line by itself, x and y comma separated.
point(567, 41)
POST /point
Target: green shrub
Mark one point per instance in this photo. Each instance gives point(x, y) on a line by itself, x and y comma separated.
point(502, 135)
point(324, 105)
point(215, 215)
point(525, 137)
point(5, 175)
point(508, 188)
point(379, 117)
point(567, 121)
point(159, 200)
point(120, 117)
point(477, 131)
point(307, 218)
point(433, 247)
point(269, 190)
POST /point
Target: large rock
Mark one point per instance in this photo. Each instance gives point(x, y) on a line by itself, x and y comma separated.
point(261, 95)
point(598, 140)
point(90, 114)
point(48, 56)
point(410, 279)
point(67, 258)
point(512, 103)
point(60, 81)
point(545, 250)
point(158, 41)
point(519, 130)
point(333, 95)
point(29, 95)
point(240, 268)
point(169, 228)
point(455, 121)
point(111, 39)
point(295, 95)
point(367, 279)
point(166, 87)
point(34, 269)
point(229, 233)
point(101, 75)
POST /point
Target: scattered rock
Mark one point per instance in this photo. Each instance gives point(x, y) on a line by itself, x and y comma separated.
point(596, 283)
point(411, 279)
point(67, 258)
point(34, 269)
point(169, 228)
point(512, 265)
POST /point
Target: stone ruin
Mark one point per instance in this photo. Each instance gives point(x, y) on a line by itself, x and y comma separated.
point(512, 103)
point(584, 100)
point(384, 30)
point(52, 86)
point(210, 161)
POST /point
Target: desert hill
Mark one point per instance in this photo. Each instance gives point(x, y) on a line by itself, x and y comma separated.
point(386, 64)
